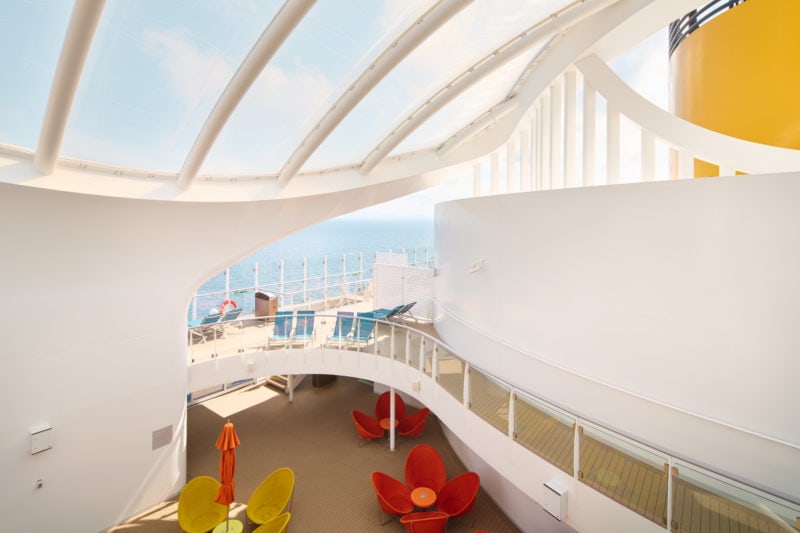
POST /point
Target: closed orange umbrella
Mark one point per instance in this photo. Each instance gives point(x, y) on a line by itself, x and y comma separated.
point(227, 442)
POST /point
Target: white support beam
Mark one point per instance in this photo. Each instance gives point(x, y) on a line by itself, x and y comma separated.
point(648, 155)
point(556, 136)
point(282, 25)
point(415, 34)
point(477, 179)
point(589, 134)
point(494, 176)
point(511, 167)
point(77, 42)
point(570, 128)
point(612, 144)
point(556, 22)
point(524, 161)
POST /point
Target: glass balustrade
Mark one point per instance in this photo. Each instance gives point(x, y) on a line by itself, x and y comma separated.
point(545, 431)
point(629, 473)
point(489, 399)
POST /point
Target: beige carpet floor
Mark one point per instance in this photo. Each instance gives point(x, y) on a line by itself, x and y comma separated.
point(315, 436)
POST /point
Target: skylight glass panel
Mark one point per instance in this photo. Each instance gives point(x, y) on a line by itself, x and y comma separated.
point(474, 33)
point(31, 34)
point(467, 107)
point(329, 48)
point(154, 73)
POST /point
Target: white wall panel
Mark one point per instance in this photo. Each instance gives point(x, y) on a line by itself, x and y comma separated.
point(637, 304)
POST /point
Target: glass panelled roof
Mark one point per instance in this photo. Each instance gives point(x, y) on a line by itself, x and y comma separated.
point(155, 70)
point(477, 31)
point(30, 37)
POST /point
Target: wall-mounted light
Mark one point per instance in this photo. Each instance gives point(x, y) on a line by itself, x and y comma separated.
point(474, 267)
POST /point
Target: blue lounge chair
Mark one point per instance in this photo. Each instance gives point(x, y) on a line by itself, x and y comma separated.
point(342, 328)
point(365, 326)
point(304, 330)
point(282, 332)
point(201, 326)
point(229, 316)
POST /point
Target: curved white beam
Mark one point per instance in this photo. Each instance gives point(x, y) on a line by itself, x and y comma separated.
point(707, 144)
point(433, 19)
point(613, 22)
point(77, 43)
point(478, 71)
point(290, 14)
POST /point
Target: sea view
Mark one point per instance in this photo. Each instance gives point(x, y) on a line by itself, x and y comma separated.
point(334, 239)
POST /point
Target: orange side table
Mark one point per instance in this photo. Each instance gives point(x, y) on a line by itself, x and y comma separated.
point(423, 497)
point(386, 423)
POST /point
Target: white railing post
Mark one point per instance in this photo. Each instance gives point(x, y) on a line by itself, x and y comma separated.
point(392, 355)
point(495, 171)
point(556, 136)
point(194, 307)
point(465, 395)
point(361, 273)
point(589, 133)
point(670, 466)
point(325, 281)
point(536, 148)
point(255, 276)
point(570, 128)
point(408, 347)
point(612, 145)
point(282, 298)
point(476, 180)
point(685, 165)
point(576, 449)
point(305, 279)
point(524, 161)
point(391, 418)
point(435, 363)
point(344, 275)
point(227, 284)
point(512, 408)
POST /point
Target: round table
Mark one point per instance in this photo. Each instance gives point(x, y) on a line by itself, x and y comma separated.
point(386, 423)
point(235, 526)
point(423, 497)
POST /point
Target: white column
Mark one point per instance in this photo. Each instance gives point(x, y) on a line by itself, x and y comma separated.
point(589, 134)
point(494, 177)
point(536, 157)
point(524, 161)
point(545, 132)
point(612, 145)
point(510, 166)
point(476, 179)
point(391, 417)
point(685, 165)
point(648, 155)
point(570, 128)
point(556, 136)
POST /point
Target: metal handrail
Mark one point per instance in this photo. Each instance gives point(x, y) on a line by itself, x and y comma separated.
point(681, 28)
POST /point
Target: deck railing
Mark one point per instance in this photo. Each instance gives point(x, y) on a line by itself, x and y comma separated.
point(668, 490)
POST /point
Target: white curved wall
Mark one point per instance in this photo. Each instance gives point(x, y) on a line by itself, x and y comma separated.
point(94, 338)
point(603, 299)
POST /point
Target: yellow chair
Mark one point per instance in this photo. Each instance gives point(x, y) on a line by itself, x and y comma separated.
point(276, 525)
point(271, 497)
point(197, 510)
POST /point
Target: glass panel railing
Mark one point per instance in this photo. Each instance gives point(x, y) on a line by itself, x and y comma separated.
point(426, 353)
point(626, 473)
point(451, 372)
point(383, 339)
point(702, 501)
point(489, 399)
point(545, 431)
point(414, 341)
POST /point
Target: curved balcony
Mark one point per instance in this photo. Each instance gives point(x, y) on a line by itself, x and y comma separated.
point(681, 28)
point(519, 434)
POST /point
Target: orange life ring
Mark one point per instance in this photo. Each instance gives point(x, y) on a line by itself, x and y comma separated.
point(225, 304)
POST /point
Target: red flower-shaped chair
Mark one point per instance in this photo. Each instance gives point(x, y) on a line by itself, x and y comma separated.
point(394, 498)
point(458, 495)
point(367, 427)
point(425, 468)
point(383, 403)
point(412, 425)
point(425, 522)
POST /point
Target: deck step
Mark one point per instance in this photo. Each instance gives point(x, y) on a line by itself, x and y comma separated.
point(278, 382)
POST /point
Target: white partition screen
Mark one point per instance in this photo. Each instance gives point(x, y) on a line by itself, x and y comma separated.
point(396, 285)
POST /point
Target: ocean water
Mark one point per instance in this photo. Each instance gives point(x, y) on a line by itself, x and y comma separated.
point(335, 239)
